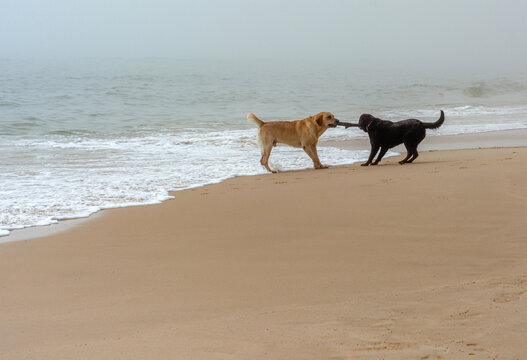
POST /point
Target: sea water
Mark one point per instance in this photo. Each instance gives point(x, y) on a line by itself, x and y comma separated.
point(84, 135)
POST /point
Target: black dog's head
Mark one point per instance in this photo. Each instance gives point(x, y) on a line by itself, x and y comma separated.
point(365, 121)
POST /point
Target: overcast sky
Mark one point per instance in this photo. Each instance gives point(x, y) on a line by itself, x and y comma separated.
point(447, 32)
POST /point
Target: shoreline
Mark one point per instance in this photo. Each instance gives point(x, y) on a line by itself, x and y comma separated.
point(491, 139)
point(499, 139)
point(420, 261)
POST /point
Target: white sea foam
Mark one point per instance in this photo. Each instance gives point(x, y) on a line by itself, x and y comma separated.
point(82, 176)
point(458, 111)
point(74, 177)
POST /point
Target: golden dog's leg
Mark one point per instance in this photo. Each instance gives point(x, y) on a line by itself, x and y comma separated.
point(266, 152)
point(312, 152)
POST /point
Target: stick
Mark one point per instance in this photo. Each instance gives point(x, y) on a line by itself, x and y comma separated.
point(347, 124)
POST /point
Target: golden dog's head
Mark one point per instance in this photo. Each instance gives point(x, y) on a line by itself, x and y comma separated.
point(326, 119)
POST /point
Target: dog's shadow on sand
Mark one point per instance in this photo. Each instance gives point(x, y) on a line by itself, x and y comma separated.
point(387, 163)
point(358, 166)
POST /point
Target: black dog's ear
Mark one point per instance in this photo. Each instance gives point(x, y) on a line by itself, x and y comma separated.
point(362, 121)
point(364, 117)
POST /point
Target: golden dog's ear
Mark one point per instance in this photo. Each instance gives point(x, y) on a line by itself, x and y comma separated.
point(318, 119)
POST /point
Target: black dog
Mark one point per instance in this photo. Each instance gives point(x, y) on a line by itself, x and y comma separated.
point(386, 134)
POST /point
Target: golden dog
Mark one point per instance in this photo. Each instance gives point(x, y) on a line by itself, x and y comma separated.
point(299, 133)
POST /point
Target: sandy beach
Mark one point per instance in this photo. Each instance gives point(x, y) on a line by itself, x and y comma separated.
point(422, 261)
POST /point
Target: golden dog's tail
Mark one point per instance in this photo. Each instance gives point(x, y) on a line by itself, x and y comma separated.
point(252, 118)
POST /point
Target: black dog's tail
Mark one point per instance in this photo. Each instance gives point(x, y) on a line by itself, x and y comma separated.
point(436, 124)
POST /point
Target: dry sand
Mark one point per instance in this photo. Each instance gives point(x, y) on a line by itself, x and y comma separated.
point(422, 261)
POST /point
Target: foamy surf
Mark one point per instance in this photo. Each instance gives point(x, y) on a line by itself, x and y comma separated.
point(83, 176)
point(69, 176)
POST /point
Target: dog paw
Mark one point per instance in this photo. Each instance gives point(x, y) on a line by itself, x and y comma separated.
point(365, 164)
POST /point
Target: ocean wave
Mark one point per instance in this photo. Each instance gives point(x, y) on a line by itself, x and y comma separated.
point(9, 104)
point(470, 112)
point(72, 133)
point(483, 89)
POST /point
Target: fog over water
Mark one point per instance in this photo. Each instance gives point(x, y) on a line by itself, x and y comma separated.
point(446, 35)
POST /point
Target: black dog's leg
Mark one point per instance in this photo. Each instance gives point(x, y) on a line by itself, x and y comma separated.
point(415, 154)
point(381, 154)
point(374, 149)
point(405, 160)
point(409, 152)
point(413, 148)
